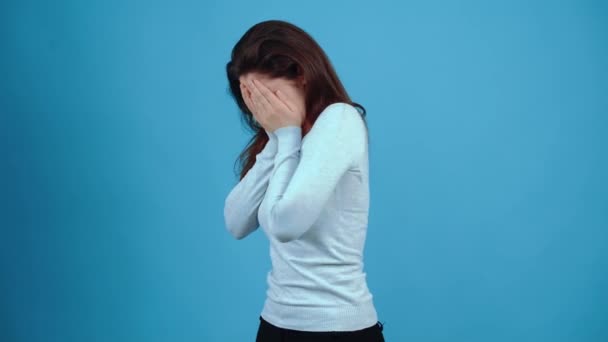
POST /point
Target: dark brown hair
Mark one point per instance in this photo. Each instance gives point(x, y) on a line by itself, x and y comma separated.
point(280, 49)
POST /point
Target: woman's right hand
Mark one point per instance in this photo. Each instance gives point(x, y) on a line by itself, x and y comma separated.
point(247, 98)
point(277, 110)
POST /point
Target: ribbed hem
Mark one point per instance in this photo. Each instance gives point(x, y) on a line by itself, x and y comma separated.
point(321, 318)
point(288, 137)
point(270, 149)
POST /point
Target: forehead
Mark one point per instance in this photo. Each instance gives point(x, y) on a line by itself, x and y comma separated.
point(276, 81)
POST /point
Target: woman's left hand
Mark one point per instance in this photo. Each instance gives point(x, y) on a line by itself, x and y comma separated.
point(273, 111)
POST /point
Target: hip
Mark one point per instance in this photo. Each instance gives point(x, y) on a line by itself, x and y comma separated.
point(268, 332)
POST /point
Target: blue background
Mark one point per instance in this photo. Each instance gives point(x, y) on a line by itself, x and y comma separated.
point(489, 194)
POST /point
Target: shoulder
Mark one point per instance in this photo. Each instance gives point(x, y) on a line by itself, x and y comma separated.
point(341, 124)
point(345, 109)
point(343, 114)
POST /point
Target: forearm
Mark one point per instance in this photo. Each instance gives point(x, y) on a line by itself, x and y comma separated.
point(305, 175)
point(242, 203)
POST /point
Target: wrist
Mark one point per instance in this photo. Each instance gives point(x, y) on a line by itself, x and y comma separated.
point(270, 149)
point(288, 137)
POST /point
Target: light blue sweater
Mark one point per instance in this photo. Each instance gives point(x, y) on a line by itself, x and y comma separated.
point(311, 198)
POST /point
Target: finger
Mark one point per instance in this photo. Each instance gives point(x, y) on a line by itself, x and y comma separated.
point(258, 97)
point(244, 93)
point(272, 99)
point(259, 101)
point(285, 100)
point(268, 95)
point(248, 102)
point(247, 96)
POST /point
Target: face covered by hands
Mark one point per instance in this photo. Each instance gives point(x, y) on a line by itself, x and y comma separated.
point(274, 102)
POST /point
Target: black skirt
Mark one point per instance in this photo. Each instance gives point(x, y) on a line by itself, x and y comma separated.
point(268, 332)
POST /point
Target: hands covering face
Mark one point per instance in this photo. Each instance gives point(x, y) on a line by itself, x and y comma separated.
point(272, 110)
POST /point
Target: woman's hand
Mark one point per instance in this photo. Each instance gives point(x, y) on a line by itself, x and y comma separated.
point(271, 110)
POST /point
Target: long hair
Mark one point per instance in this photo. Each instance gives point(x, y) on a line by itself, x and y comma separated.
point(279, 49)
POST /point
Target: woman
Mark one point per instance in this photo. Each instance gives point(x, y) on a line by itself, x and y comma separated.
point(304, 181)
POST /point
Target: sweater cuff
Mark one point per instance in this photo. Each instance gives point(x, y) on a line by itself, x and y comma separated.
point(288, 138)
point(270, 149)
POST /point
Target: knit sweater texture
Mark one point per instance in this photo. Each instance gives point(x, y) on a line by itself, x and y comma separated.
point(310, 196)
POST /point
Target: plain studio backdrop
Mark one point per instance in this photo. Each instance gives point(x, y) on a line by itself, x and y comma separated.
point(488, 167)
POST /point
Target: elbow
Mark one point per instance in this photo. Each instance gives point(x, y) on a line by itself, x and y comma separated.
point(233, 226)
point(235, 229)
point(284, 238)
point(238, 236)
point(283, 235)
point(286, 228)
point(235, 233)
point(230, 227)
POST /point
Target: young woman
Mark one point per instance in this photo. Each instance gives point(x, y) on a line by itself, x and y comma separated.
point(304, 181)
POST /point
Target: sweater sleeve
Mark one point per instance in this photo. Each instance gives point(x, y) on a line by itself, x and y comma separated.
point(242, 203)
point(306, 175)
